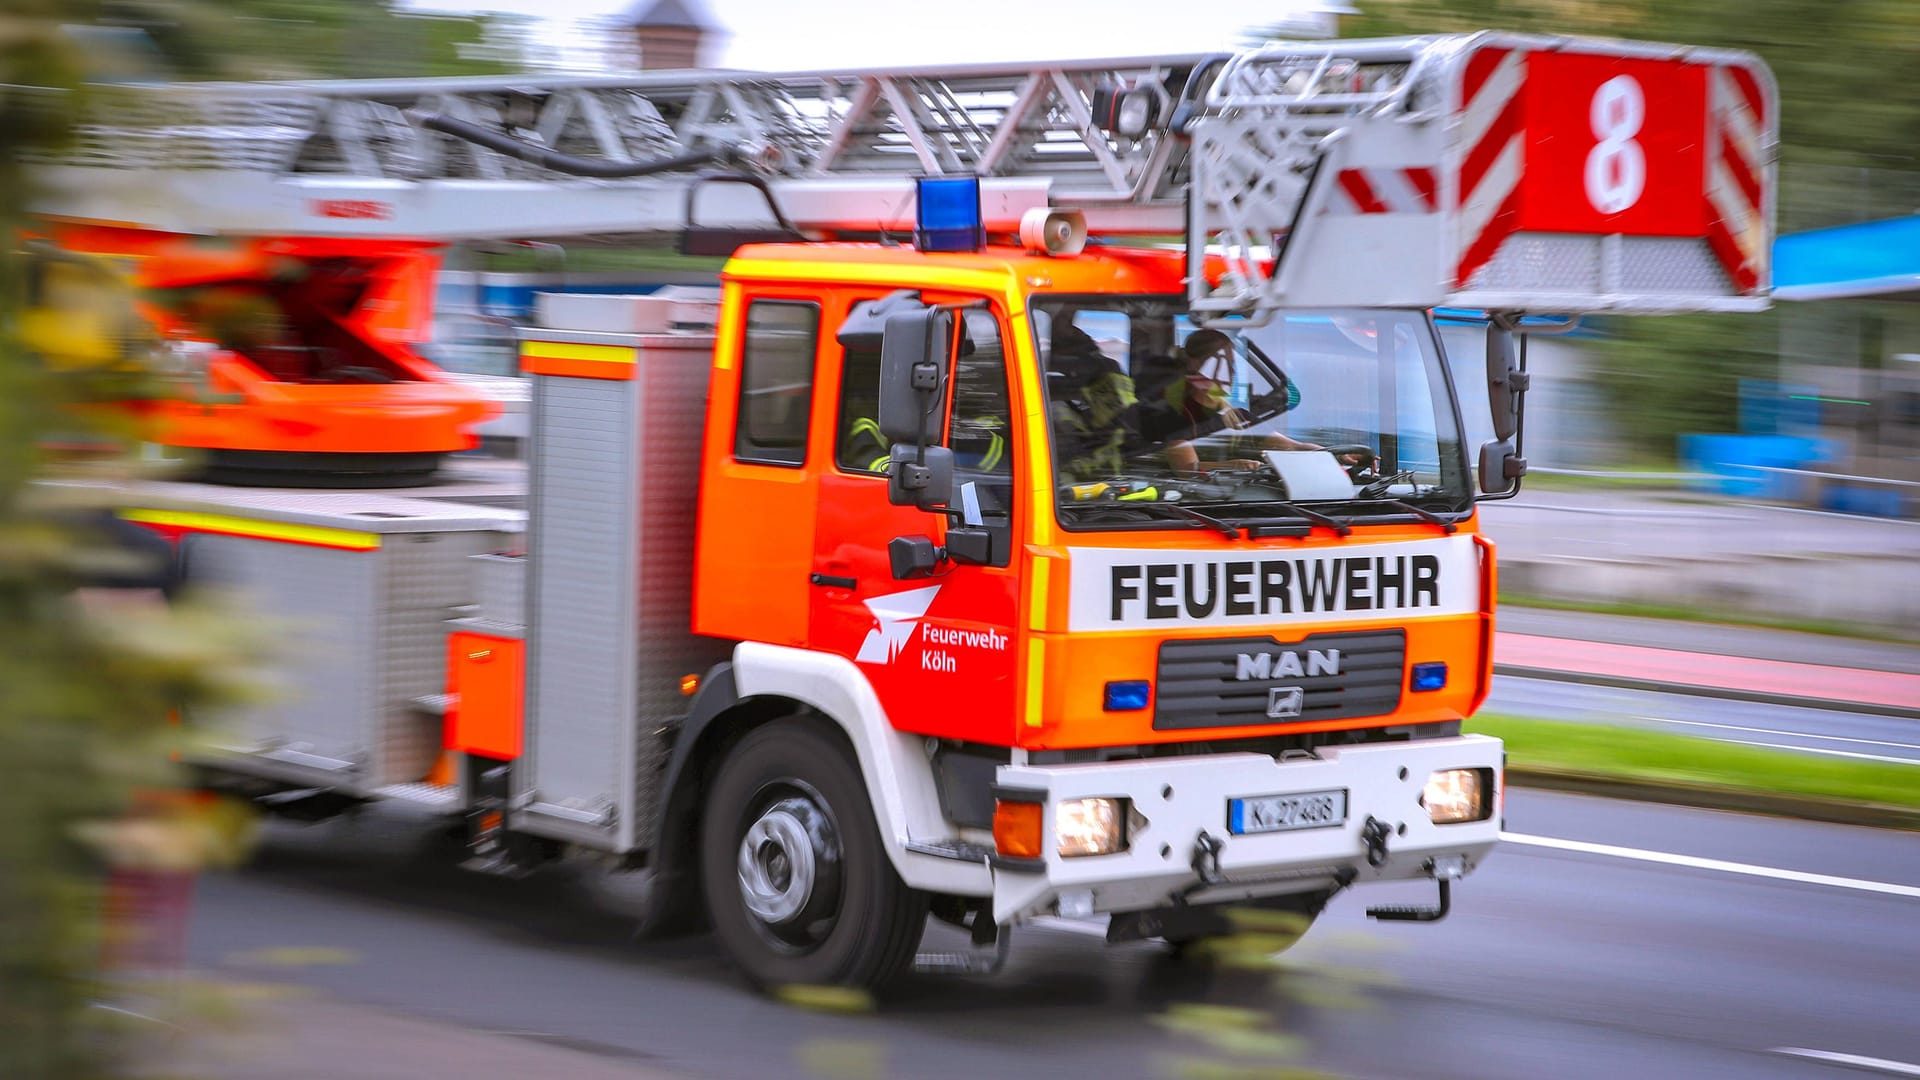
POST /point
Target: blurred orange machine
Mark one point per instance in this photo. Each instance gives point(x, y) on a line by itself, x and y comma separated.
point(291, 360)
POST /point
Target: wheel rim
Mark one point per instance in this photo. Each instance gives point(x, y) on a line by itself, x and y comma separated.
point(789, 870)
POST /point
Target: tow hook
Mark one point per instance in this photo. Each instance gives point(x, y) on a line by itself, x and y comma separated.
point(1444, 871)
point(1374, 834)
point(1206, 858)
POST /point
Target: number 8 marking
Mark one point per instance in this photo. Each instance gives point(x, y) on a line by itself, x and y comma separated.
point(1617, 166)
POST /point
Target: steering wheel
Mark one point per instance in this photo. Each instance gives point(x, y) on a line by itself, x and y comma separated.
point(1362, 471)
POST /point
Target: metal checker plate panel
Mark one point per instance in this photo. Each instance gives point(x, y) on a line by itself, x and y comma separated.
point(426, 578)
point(673, 386)
point(1197, 684)
point(315, 605)
point(580, 718)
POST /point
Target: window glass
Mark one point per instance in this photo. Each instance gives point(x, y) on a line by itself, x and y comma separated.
point(776, 382)
point(1145, 407)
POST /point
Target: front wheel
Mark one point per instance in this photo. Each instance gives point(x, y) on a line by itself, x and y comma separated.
point(801, 890)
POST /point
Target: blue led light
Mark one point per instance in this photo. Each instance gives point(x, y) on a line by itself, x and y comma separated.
point(1429, 676)
point(949, 214)
point(1127, 696)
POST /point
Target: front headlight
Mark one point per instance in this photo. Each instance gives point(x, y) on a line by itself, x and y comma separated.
point(1090, 826)
point(1455, 795)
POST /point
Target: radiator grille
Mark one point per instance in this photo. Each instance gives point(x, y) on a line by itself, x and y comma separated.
point(1239, 682)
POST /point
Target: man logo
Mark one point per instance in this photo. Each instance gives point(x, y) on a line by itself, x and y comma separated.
point(1286, 665)
point(897, 613)
point(1285, 702)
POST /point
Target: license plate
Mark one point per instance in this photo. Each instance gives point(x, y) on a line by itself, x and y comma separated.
point(1279, 813)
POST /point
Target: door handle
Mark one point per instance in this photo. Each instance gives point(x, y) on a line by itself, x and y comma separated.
point(836, 582)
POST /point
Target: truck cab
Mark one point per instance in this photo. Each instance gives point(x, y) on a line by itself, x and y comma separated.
point(1174, 630)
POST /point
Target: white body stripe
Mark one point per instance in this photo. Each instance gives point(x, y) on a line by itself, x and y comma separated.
point(1155, 588)
point(1476, 120)
point(1492, 97)
point(1732, 117)
point(1393, 188)
point(1478, 207)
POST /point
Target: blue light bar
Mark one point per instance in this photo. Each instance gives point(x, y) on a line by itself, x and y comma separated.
point(1127, 696)
point(949, 214)
point(1429, 676)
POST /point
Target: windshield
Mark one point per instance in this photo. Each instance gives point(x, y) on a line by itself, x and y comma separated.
point(1153, 417)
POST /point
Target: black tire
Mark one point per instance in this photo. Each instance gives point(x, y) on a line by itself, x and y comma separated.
point(267, 468)
point(859, 923)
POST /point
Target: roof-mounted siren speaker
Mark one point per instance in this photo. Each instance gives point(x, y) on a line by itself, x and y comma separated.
point(1124, 109)
point(1046, 230)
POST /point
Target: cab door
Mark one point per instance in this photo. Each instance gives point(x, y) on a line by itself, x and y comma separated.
point(759, 488)
point(938, 650)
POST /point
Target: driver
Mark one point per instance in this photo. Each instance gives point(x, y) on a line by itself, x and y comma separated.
point(1193, 403)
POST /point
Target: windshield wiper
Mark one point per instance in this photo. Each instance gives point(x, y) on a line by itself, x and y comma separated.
point(1313, 516)
point(1215, 523)
point(1231, 532)
point(1420, 512)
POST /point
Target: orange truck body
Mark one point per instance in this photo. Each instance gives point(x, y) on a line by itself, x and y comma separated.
point(1041, 688)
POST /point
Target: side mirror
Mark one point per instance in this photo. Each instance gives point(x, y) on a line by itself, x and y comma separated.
point(920, 476)
point(912, 557)
point(1501, 467)
point(977, 545)
point(913, 376)
point(1506, 382)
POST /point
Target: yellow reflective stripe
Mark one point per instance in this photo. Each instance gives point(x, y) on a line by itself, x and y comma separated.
point(994, 452)
point(1035, 711)
point(864, 426)
point(573, 350)
point(912, 275)
point(1039, 593)
point(260, 530)
point(880, 463)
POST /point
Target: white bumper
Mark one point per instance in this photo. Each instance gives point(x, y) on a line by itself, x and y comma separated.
point(1176, 800)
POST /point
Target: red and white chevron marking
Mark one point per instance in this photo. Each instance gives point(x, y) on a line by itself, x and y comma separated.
point(1736, 228)
point(1385, 191)
point(1492, 130)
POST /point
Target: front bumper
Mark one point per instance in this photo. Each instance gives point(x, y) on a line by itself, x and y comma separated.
point(1179, 807)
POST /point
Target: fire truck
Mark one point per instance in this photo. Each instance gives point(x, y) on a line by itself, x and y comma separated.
point(1058, 507)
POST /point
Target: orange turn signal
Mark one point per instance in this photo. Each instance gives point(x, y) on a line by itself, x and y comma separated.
point(689, 684)
point(1016, 829)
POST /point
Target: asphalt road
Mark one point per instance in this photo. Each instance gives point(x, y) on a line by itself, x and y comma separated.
point(1554, 963)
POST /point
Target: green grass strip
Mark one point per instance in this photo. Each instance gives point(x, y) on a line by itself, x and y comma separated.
point(1637, 754)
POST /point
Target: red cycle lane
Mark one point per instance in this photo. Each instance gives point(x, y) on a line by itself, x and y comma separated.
point(1519, 654)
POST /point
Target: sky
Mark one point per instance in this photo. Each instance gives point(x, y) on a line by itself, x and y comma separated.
point(791, 35)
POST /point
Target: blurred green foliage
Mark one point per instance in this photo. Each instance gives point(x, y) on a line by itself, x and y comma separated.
point(276, 39)
point(89, 679)
point(1847, 104)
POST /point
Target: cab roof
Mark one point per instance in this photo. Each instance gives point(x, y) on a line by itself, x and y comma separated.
point(1098, 269)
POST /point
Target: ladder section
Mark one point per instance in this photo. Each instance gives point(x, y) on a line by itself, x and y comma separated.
point(1504, 172)
point(1496, 171)
point(841, 149)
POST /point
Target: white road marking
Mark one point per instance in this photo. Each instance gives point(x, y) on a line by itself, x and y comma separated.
point(1777, 731)
point(1891, 1068)
point(1886, 888)
point(1833, 753)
